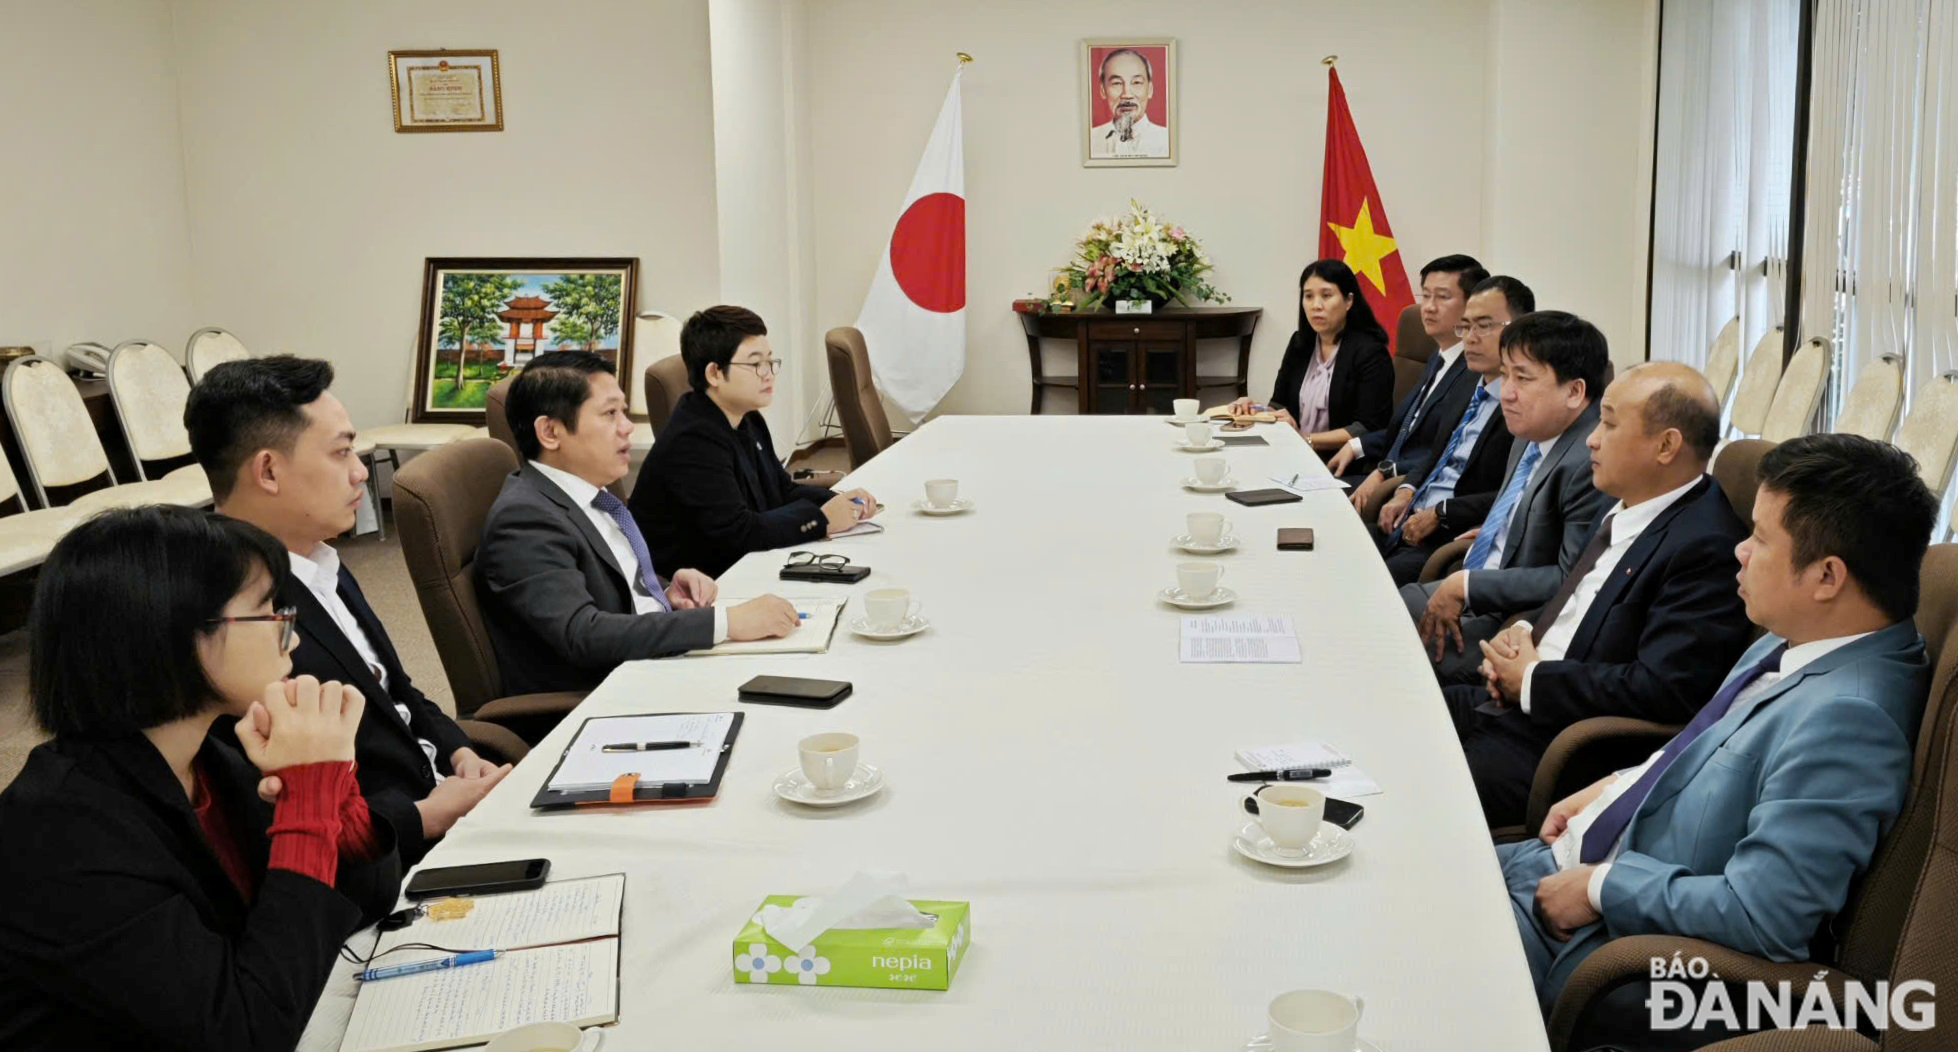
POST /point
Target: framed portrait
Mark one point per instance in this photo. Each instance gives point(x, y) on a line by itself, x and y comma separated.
point(1129, 117)
point(483, 319)
point(436, 91)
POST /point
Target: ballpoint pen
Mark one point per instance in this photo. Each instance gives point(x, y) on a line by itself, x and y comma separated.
point(1289, 774)
point(647, 746)
point(389, 972)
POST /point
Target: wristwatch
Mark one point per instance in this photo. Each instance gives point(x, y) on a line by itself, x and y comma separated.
point(1388, 469)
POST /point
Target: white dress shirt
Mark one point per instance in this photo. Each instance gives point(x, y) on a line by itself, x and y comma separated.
point(319, 571)
point(1146, 139)
point(1448, 356)
point(1569, 848)
point(583, 493)
point(1626, 526)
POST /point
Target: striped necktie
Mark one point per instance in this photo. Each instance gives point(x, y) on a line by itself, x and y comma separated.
point(1496, 526)
point(615, 508)
point(1454, 442)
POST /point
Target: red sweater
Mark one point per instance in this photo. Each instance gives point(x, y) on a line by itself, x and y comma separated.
point(320, 816)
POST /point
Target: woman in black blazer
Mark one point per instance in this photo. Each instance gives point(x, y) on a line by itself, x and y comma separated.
point(1338, 329)
point(155, 900)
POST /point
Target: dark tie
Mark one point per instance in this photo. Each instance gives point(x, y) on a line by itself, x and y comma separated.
point(1612, 820)
point(614, 507)
point(1585, 564)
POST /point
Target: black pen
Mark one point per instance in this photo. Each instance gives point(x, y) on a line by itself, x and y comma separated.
point(647, 746)
point(1289, 774)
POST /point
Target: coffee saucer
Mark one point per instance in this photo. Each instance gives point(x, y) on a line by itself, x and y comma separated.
point(1175, 597)
point(959, 504)
point(1208, 447)
point(1225, 543)
point(1185, 421)
point(910, 626)
point(1195, 483)
point(1330, 845)
point(795, 787)
point(1262, 1043)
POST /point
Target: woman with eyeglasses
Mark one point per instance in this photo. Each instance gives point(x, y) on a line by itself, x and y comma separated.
point(1336, 379)
point(154, 899)
point(712, 490)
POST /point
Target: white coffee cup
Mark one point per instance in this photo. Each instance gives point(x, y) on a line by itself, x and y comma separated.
point(942, 493)
point(1290, 815)
point(1186, 408)
point(829, 759)
point(1197, 433)
point(1212, 470)
point(1313, 1021)
point(1198, 580)
point(887, 609)
point(539, 1037)
point(1206, 527)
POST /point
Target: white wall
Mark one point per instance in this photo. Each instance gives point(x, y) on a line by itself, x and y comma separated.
point(93, 236)
point(312, 216)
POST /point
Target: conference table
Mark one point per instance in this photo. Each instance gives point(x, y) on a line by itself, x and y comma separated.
point(1051, 760)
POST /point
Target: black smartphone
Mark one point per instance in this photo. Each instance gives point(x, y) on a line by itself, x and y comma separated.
point(1252, 498)
point(1342, 813)
point(793, 690)
point(487, 878)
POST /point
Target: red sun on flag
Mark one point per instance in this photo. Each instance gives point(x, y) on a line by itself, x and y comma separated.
point(928, 252)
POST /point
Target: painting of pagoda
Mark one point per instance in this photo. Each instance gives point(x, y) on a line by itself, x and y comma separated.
point(483, 322)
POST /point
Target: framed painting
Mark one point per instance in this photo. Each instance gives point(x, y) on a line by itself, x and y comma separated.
point(483, 319)
point(436, 91)
point(1128, 116)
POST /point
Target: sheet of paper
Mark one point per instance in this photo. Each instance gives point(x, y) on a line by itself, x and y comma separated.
point(1347, 780)
point(586, 766)
point(577, 983)
point(812, 637)
point(859, 530)
point(1239, 639)
point(561, 911)
point(1304, 483)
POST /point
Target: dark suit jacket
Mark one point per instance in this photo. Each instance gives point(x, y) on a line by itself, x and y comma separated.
point(394, 773)
point(1427, 423)
point(1362, 395)
point(558, 607)
point(1663, 631)
point(710, 493)
point(122, 930)
point(1475, 491)
point(1549, 526)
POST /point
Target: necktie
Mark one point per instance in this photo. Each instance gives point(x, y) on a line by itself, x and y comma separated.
point(1585, 564)
point(1612, 820)
point(614, 507)
point(1497, 524)
point(1454, 443)
point(1416, 408)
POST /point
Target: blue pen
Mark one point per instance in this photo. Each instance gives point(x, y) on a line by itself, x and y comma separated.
point(800, 616)
point(473, 957)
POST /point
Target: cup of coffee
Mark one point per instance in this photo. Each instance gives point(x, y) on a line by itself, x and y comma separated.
point(942, 493)
point(1212, 470)
point(1290, 816)
point(1206, 527)
point(829, 759)
point(1313, 1021)
point(1197, 433)
point(1186, 408)
point(539, 1037)
point(887, 609)
point(1198, 580)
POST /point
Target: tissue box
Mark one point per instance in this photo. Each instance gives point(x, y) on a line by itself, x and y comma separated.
point(906, 959)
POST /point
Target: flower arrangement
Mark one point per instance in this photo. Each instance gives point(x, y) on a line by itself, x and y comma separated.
point(1138, 257)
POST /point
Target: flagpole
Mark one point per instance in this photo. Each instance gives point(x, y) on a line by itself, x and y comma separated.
point(1329, 60)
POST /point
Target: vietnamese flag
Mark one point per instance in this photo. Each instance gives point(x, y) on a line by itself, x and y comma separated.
point(1353, 223)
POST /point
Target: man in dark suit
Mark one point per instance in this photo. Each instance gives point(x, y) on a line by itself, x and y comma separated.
point(712, 489)
point(278, 449)
point(1445, 498)
point(1647, 622)
point(1538, 523)
point(568, 584)
point(1414, 433)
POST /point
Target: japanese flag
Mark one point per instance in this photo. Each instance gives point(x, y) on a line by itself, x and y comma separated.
point(913, 318)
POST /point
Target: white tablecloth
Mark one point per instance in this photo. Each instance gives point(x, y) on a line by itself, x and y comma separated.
point(1051, 761)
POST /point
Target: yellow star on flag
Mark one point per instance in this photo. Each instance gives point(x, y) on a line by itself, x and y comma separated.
point(1364, 249)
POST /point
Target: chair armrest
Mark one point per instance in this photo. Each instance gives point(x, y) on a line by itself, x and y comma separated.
point(1813, 1039)
point(530, 716)
point(1629, 959)
point(1586, 751)
point(1445, 559)
point(1371, 513)
point(492, 742)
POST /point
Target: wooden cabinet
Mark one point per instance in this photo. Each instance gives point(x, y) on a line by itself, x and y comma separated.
point(1140, 363)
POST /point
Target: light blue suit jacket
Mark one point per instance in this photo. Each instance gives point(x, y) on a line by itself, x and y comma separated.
point(1752, 837)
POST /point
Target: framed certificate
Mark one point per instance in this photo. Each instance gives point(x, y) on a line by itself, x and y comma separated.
point(445, 91)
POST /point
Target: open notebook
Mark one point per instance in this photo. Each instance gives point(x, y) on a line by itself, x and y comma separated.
point(561, 963)
point(811, 637)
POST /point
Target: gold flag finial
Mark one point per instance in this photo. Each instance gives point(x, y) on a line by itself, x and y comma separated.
point(1329, 60)
point(963, 58)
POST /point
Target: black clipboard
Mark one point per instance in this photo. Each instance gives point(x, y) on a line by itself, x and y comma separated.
point(548, 799)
